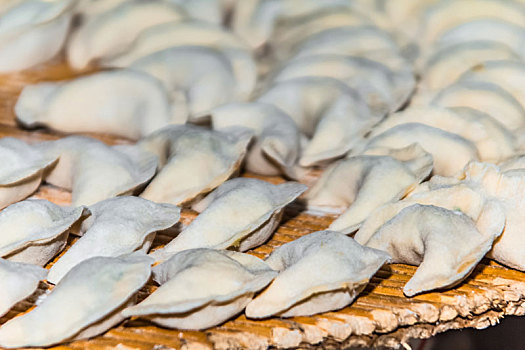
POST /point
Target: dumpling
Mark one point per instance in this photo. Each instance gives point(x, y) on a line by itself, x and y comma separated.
point(362, 41)
point(213, 11)
point(513, 163)
point(509, 75)
point(450, 151)
point(19, 281)
point(116, 226)
point(22, 170)
point(242, 213)
point(383, 89)
point(94, 171)
point(446, 65)
point(201, 288)
point(105, 287)
point(89, 9)
point(197, 78)
point(444, 243)
point(361, 184)
point(277, 143)
point(486, 97)
point(33, 32)
point(491, 139)
point(447, 14)
point(35, 230)
point(327, 111)
point(319, 272)
point(114, 31)
point(193, 161)
point(121, 102)
point(492, 29)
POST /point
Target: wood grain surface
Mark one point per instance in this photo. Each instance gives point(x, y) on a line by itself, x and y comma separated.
point(381, 315)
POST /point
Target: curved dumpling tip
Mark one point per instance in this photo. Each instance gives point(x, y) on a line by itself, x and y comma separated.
point(19, 281)
point(33, 32)
point(319, 272)
point(35, 230)
point(201, 288)
point(193, 161)
point(277, 142)
point(113, 31)
point(451, 152)
point(444, 243)
point(353, 183)
point(22, 170)
point(94, 171)
point(110, 285)
point(144, 104)
point(116, 226)
point(241, 213)
point(331, 114)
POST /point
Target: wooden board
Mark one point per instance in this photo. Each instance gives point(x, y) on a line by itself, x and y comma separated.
point(381, 315)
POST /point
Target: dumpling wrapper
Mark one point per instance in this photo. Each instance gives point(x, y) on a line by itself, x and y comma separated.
point(241, 213)
point(33, 32)
point(276, 148)
point(201, 288)
point(485, 97)
point(197, 78)
point(116, 226)
point(509, 75)
point(447, 14)
point(446, 65)
point(195, 33)
point(383, 89)
point(491, 139)
point(319, 272)
point(444, 243)
point(121, 102)
point(212, 11)
point(331, 114)
point(361, 41)
point(354, 183)
point(193, 161)
point(491, 29)
point(89, 9)
point(450, 151)
point(86, 303)
point(19, 281)
point(513, 163)
point(94, 171)
point(22, 170)
point(113, 32)
point(35, 230)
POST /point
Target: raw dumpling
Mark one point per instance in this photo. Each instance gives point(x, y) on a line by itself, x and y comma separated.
point(491, 139)
point(114, 31)
point(327, 111)
point(446, 65)
point(450, 151)
point(486, 97)
point(35, 230)
point(383, 89)
point(319, 272)
point(510, 75)
point(89, 9)
point(241, 213)
point(19, 281)
point(122, 102)
point(201, 288)
point(492, 29)
point(116, 226)
point(33, 32)
point(354, 183)
point(22, 170)
point(94, 171)
point(213, 11)
point(87, 302)
point(193, 161)
point(444, 243)
point(197, 78)
point(277, 145)
point(513, 163)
